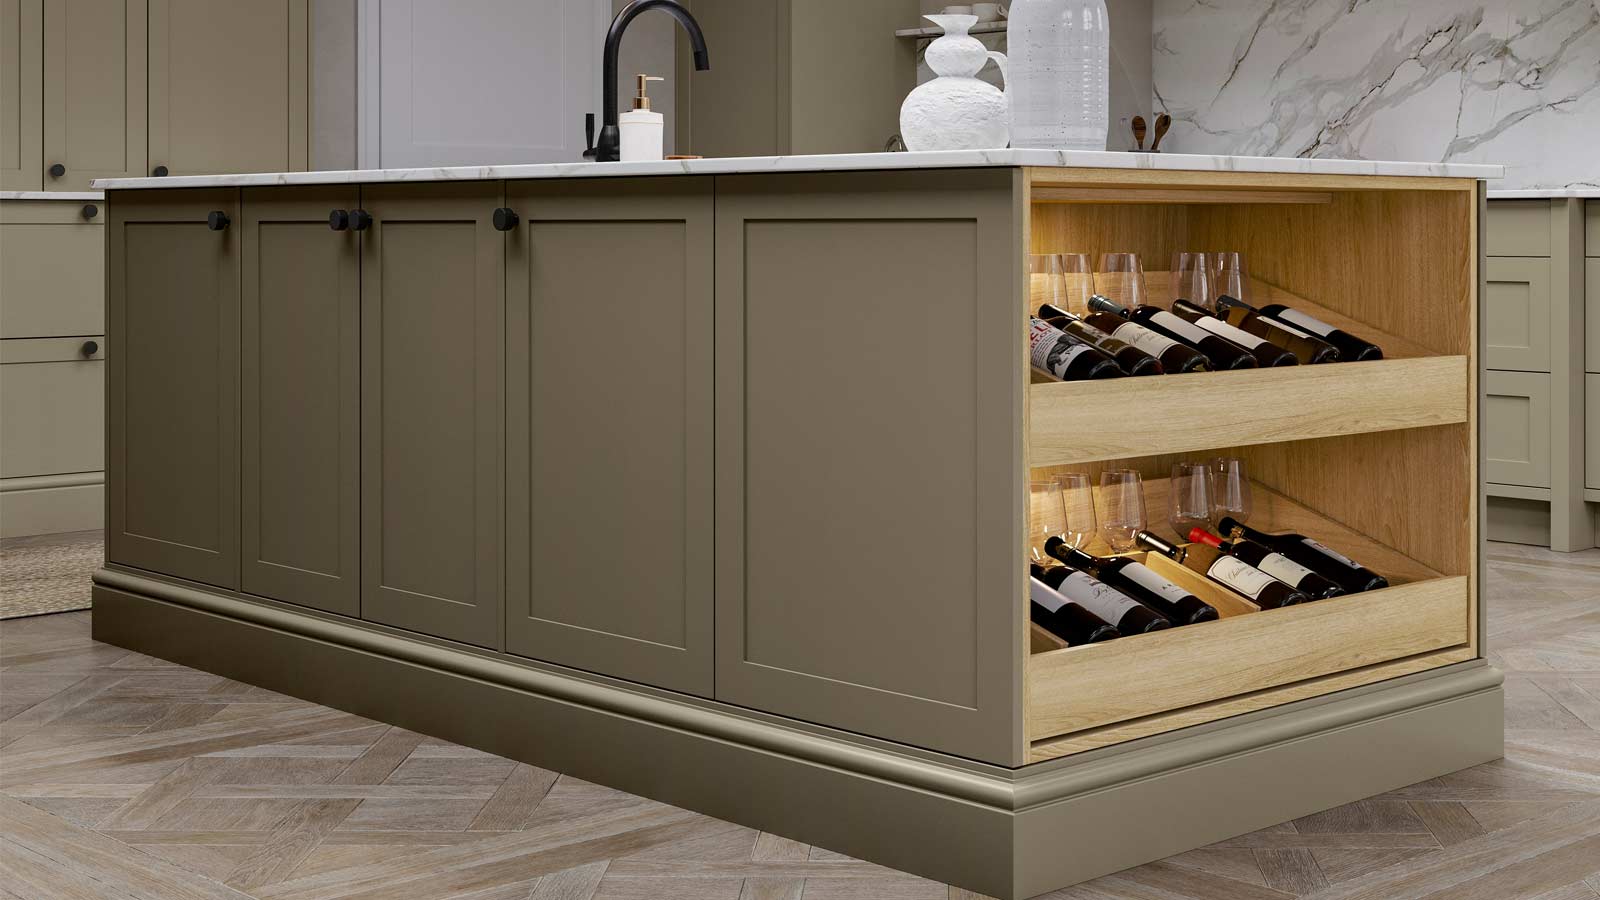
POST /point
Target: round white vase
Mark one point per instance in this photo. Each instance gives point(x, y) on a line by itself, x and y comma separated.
point(956, 111)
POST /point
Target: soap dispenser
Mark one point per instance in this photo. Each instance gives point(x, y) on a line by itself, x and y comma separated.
point(643, 129)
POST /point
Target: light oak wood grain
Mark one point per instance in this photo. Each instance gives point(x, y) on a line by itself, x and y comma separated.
point(1049, 194)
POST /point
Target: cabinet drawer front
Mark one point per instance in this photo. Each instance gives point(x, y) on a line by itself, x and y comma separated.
point(1516, 430)
point(52, 276)
point(52, 408)
point(1518, 228)
point(1591, 217)
point(1517, 314)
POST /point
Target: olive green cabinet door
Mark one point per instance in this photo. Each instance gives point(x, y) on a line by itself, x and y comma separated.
point(869, 473)
point(94, 91)
point(432, 409)
point(609, 428)
point(300, 399)
point(228, 86)
point(173, 441)
point(21, 97)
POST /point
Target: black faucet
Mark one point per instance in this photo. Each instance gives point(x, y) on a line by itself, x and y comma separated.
point(609, 149)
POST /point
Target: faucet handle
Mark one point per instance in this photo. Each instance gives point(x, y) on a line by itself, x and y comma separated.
point(588, 136)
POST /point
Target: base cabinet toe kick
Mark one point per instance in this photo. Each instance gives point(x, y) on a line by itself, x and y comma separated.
point(723, 489)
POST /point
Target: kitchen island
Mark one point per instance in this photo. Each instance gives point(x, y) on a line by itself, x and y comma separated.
point(708, 480)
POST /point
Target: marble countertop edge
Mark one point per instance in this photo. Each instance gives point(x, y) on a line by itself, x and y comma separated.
point(52, 195)
point(1581, 193)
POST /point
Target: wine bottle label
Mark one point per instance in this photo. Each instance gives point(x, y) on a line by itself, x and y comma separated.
point(1283, 568)
point(1329, 551)
point(1285, 326)
point(1139, 336)
point(1178, 326)
point(1097, 597)
point(1045, 595)
point(1146, 578)
point(1051, 350)
point(1241, 576)
point(1229, 333)
point(1309, 323)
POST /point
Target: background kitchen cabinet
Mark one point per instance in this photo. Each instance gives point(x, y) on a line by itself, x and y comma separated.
point(300, 399)
point(94, 90)
point(21, 98)
point(173, 442)
point(609, 433)
point(432, 406)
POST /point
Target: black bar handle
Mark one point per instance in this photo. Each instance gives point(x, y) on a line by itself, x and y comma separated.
point(218, 220)
point(505, 219)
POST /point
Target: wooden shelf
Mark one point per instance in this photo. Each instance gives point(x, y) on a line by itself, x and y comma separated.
point(929, 33)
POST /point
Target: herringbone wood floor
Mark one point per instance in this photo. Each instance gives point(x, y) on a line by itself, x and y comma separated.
point(125, 777)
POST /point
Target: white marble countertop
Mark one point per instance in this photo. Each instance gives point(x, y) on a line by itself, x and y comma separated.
point(52, 195)
point(830, 163)
point(1589, 193)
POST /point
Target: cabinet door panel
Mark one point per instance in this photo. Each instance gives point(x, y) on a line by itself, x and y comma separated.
point(52, 270)
point(609, 467)
point(433, 306)
point(300, 400)
point(1516, 429)
point(172, 498)
point(228, 86)
point(21, 96)
point(52, 407)
point(94, 90)
point(868, 475)
point(1517, 314)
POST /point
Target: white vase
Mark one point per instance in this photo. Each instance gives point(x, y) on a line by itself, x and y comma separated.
point(956, 111)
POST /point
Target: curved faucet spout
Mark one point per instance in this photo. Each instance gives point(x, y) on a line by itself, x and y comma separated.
point(608, 149)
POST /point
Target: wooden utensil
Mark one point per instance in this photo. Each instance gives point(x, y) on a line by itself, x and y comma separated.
point(1138, 131)
point(1163, 122)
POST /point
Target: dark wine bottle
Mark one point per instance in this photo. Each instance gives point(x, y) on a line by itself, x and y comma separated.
point(1220, 353)
point(1267, 354)
point(1307, 347)
point(1324, 560)
point(1127, 614)
point(1138, 581)
point(1065, 619)
point(1273, 563)
point(1176, 357)
point(1229, 571)
point(1351, 348)
point(1060, 354)
point(1132, 360)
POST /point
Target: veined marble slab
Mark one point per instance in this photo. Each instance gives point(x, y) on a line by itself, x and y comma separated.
point(828, 163)
point(1515, 82)
point(52, 195)
point(1548, 194)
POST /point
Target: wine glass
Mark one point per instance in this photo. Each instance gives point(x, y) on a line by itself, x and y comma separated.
point(1044, 281)
point(1230, 277)
point(1189, 498)
point(1230, 490)
point(1045, 517)
point(1121, 278)
point(1191, 279)
point(1077, 505)
point(1122, 493)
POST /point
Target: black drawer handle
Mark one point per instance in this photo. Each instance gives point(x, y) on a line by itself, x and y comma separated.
point(360, 220)
point(90, 210)
point(339, 220)
point(217, 221)
point(89, 348)
point(505, 219)
point(57, 170)
point(159, 172)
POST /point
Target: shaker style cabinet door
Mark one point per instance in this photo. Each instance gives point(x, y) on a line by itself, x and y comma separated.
point(609, 428)
point(94, 91)
point(1517, 314)
point(432, 406)
point(171, 472)
point(228, 86)
point(300, 399)
point(867, 575)
point(21, 48)
point(1516, 428)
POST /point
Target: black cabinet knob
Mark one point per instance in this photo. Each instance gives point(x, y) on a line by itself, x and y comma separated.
point(360, 220)
point(217, 221)
point(505, 219)
point(90, 210)
point(159, 171)
point(339, 220)
point(57, 170)
point(89, 348)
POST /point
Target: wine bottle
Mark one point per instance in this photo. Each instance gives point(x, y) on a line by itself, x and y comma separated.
point(1138, 581)
point(1132, 360)
point(1220, 353)
point(1231, 572)
point(1324, 560)
point(1308, 348)
point(1176, 357)
point(1273, 563)
point(1127, 614)
point(1351, 348)
point(1065, 619)
point(1267, 354)
point(1060, 354)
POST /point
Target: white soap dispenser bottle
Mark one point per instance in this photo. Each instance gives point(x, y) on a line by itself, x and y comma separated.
point(643, 130)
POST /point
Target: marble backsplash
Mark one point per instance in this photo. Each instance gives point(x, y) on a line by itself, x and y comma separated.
point(1513, 82)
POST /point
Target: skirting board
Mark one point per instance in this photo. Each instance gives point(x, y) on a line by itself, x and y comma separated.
point(1007, 833)
point(51, 510)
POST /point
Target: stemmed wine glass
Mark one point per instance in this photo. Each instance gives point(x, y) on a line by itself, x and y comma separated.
point(1077, 504)
point(1121, 278)
point(1189, 498)
point(1122, 493)
point(1230, 490)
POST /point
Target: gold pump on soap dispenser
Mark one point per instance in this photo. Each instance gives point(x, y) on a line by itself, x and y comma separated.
point(643, 129)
